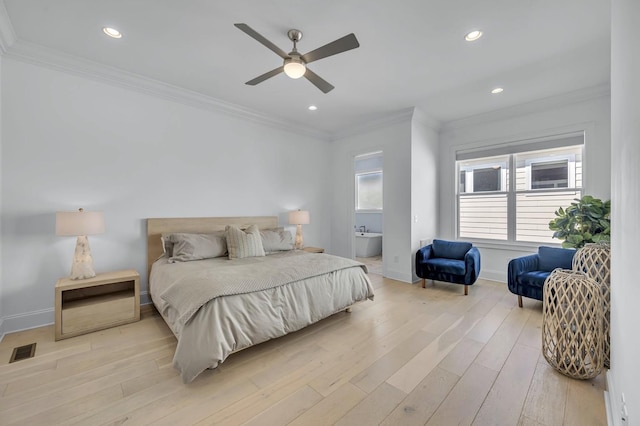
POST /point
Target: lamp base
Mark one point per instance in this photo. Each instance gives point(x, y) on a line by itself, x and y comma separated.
point(299, 239)
point(82, 266)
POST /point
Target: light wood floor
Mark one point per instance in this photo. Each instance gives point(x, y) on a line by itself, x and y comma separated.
point(413, 356)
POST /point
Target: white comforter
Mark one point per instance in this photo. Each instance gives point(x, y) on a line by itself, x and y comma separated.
point(219, 306)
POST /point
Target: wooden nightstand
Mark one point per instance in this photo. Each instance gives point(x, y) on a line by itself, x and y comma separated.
point(106, 300)
point(313, 249)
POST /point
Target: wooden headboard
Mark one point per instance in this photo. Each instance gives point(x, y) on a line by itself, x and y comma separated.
point(195, 225)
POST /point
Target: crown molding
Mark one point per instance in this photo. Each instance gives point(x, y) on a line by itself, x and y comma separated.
point(53, 59)
point(374, 123)
point(7, 34)
point(565, 99)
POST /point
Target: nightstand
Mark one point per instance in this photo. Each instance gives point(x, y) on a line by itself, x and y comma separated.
point(104, 301)
point(313, 249)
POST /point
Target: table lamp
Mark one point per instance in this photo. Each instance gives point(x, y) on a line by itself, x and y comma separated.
point(299, 218)
point(80, 224)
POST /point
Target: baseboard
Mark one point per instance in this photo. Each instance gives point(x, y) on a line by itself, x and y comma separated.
point(399, 276)
point(26, 321)
point(499, 276)
point(610, 402)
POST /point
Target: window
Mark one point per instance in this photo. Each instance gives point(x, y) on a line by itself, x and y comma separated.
point(369, 191)
point(495, 204)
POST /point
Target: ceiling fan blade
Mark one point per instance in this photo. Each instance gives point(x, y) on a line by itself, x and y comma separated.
point(265, 76)
point(252, 33)
point(343, 44)
point(318, 81)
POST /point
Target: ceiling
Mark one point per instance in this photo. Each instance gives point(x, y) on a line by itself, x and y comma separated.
point(412, 52)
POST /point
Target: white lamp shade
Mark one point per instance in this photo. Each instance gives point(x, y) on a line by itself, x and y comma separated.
point(299, 217)
point(73, 224)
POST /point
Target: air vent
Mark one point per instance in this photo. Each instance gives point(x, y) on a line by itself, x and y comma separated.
point(23, 352)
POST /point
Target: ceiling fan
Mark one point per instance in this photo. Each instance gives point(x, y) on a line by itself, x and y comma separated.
point(295, 64)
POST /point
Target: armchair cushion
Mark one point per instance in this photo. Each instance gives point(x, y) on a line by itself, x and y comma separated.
point(447, 266)
point(450, 249)
point(550, 258)
point(532, 279)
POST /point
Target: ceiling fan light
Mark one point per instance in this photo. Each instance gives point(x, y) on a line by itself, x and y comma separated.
point(294, 67)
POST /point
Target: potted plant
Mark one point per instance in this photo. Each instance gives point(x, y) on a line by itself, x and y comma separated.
point(587, 220)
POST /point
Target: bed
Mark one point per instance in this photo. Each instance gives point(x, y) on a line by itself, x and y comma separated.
point(216, 306)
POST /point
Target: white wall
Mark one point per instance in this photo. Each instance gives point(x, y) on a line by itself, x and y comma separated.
point(424, 183)
point(70, 142)
point(394, 140)
point(1, 281)
point(409, 146)
point(623, 378)
point(539, 119)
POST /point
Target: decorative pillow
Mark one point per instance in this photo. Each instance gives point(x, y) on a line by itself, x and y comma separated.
point(450, 249)
point(276, 240)
point(550, 258)
point(167, 245)
point(188, 247)
point(247, 243)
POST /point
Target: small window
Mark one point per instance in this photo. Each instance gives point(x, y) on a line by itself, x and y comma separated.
point(487, 179)
point(552, 174)
point(369, 191)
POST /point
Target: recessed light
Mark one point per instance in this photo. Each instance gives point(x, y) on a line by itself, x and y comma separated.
point(112, 32)
point(497, 90)
point(473, 35)
point(312, 107)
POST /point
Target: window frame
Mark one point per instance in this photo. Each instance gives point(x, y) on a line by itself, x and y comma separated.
point(512, 192)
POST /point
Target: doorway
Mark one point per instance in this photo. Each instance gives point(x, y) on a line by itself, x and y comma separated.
point(368, 210)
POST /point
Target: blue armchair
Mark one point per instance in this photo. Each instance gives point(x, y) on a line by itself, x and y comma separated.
point(450, 261)
point(526, 275)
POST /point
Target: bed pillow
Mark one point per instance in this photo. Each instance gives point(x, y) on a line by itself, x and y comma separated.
point(188, 247)
point(167, 245)
point(276, 240)
point(244, 243)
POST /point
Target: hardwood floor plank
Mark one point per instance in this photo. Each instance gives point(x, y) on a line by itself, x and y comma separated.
point(424, 400)
point(375, 407)
point(503, 405)
point(585, 402)
point(499, 346)
point(18, 408)
point(463, 402)
point(74, 408)
point(412, 373)
point(547, 395)
point(287, 409)
point(489, 323)
point(330, 409)
point(461, 356)
point(374, 375)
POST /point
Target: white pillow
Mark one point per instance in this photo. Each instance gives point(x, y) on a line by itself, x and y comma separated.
point(188, 247)
point(247, 243)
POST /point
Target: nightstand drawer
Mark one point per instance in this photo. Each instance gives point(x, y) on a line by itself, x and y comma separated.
point(98, 312)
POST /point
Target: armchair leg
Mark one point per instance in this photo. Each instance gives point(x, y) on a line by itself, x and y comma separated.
point(423, 281)
point(466, 290)
point(520, 301)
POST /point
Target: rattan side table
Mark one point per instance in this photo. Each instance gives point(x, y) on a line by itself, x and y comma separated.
point(572, 324)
